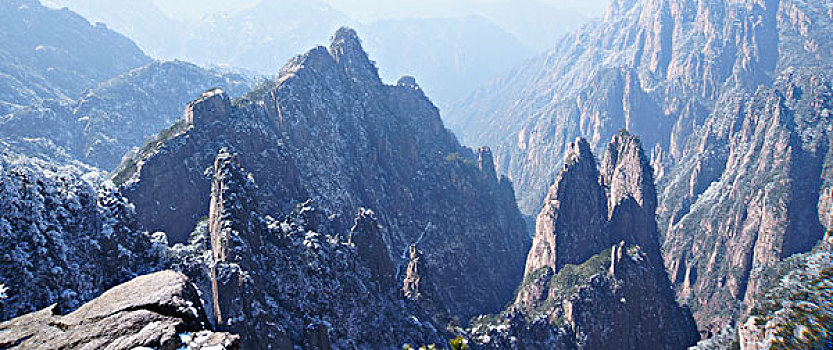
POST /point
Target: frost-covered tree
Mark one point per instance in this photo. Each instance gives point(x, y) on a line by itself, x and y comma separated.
point(65, 238)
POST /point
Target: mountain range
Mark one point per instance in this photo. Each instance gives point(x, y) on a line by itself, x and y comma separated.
point(673, 160)
point(731, 101)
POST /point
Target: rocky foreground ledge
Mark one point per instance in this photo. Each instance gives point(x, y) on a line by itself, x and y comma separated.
point(159, 311)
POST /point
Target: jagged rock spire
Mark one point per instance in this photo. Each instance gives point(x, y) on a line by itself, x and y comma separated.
point(413, 287)
point(211, 106)
point(632, 199)
point(486, 162)
point(586, 211)
point(346, 49)
point(623, 298)
point(234, 233)
point(572, 225)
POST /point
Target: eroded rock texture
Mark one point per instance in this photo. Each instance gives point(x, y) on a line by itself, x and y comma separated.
point(684, 74)
point(160, 310)
point(295, 281)
point(748, 195)
point(599, 289)
point(328, 130)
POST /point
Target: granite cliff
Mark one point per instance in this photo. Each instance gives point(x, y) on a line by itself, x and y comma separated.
point(749, 193)
point(594, 276)
point(326, 129)
point(731, 100)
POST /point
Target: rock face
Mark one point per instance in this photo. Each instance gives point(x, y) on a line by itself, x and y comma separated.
point(630, 307)
point(685, 75)
point(412, 286)
point(213, 105)
point(748, 195)
point(593, 296)
point(114, 116)
point(235, 233)
point(328, 130)
point(795, 314)
point(573, 225)
point(367, 236)
point(161, 310)
point(655, 67)
point(295, 282)
point(631, 197)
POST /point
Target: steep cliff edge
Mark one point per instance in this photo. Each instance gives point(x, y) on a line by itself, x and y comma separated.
point(751, 192)
point(328, 130)
point(732, 100)
point(295, 281)
point(600, 289)
point(657, 68)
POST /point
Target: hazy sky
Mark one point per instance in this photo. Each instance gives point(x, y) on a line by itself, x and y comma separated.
point(369, 10)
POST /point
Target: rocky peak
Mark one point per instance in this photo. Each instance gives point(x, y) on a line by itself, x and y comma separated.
point(586, 212)
point(626, 171)
point(211, 106)
point(316, 132)
point(346, 49)
point(367, 236)
point(572, 225)
point(632, 199)
point(230, 200)
point(616, 259)
point(486, 163)
point(236, 236)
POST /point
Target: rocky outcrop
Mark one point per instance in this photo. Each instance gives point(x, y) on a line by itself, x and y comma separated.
point(593, 296)
point(413, 285)
point(236, 234)
point(629, 307)
point(614, 300)
point(213, 105)
point(161, 310)
point(656, 68)
point(366, 235)
point(682, 74)
point(631, 197)
point(755, 198)
point(295, 281)
point(327, 130)
point(572, 226)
